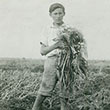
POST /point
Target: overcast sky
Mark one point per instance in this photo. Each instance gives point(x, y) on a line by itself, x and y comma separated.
point(22, 21)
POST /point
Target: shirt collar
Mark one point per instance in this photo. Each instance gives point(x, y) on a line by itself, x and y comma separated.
point(52, 26)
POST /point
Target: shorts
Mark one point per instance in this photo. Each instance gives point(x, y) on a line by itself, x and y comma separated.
point(49, 78)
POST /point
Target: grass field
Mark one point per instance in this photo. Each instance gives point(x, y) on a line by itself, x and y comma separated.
point(20, 79)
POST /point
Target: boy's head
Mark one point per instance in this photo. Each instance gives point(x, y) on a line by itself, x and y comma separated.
point(55, 6)
point(57, 12)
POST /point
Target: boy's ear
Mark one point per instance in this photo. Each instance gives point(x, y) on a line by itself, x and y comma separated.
point(64, 13)
point(50, 14)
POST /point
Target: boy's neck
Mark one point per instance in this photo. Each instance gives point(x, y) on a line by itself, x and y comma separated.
point(58, 24)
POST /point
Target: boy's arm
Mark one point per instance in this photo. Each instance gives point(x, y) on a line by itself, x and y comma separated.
point(46, 49)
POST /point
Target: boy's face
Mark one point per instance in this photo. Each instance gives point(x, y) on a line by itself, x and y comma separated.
point(57, 15)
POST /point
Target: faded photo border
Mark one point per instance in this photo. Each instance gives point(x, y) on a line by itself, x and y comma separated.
point(21, 64)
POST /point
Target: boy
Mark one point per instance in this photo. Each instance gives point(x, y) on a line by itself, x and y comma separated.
point(51, 48)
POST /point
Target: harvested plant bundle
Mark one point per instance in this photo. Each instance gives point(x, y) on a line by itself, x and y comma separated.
point(71, 64)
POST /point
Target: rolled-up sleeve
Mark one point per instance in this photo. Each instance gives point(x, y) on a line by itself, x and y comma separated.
point(44, 37)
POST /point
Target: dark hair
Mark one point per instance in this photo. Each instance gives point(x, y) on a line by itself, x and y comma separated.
point(55, 6)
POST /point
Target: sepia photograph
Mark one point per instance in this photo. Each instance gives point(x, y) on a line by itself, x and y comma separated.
point(54, 55)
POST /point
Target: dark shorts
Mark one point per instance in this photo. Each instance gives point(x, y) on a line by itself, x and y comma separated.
point(49, 78)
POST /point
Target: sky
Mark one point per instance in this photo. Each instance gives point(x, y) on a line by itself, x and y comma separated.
point(22, 21)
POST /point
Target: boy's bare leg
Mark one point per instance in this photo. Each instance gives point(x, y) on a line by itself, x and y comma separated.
point(38, 102)
point(64, 105)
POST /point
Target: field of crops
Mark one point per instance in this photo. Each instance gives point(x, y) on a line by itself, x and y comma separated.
point(20, 79)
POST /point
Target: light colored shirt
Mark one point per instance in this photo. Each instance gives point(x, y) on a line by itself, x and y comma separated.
point(50, 33)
